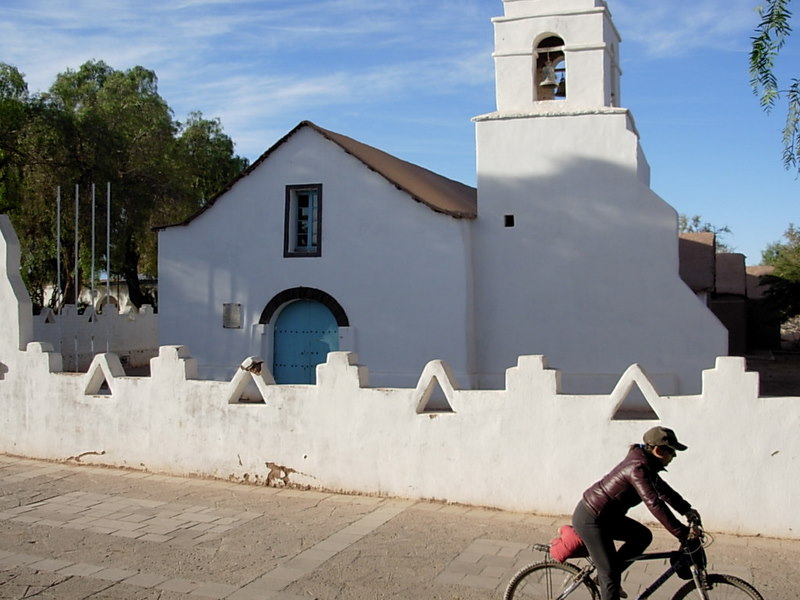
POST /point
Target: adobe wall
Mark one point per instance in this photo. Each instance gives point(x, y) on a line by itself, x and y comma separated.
point(132, 335)
point(525, 447)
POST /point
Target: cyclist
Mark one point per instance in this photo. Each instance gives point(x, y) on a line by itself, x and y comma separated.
point(600, 517)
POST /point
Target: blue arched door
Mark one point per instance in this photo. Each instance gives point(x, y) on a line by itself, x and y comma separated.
point(305, 331)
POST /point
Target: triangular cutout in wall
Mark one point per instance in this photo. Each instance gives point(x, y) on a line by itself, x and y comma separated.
point(251, 382)
point(435, 391)
point(634, 396)
point(434, 399)
point(251, 394)
point(635, 407)
point(101, 374)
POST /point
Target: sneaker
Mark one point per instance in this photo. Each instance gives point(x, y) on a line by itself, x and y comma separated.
point(622, 593)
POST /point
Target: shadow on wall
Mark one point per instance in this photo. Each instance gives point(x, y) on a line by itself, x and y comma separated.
point(589, 278)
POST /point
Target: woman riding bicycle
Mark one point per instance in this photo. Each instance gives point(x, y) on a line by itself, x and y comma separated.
point(600, 517)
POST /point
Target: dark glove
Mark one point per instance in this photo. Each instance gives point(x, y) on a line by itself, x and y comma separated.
point(684, 534)
point(693, 517)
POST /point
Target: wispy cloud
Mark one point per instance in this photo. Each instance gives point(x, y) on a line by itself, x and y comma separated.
point(680, 27)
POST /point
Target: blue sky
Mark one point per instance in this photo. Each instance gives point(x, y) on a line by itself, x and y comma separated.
point(407, 76)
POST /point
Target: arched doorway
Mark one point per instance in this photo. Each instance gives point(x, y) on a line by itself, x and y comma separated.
point(305, 331)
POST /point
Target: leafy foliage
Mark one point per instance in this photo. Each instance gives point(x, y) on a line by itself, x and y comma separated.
point(771, 35)
point(784, 283)
point(99, 125)
point(695, 224)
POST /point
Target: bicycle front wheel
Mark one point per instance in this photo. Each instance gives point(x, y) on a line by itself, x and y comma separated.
point(721, 587)
point(550, 581)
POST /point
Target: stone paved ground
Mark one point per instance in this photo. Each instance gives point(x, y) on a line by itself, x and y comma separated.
point(70, 532)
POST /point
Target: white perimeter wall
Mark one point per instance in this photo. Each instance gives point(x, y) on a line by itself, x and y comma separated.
point(400, 271)
point(525, 447)
point(132, 335)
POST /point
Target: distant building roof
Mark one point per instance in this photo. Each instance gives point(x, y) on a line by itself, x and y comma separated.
point(439, 193)
point(731, 276)
point(755, 289)
point(697, 261)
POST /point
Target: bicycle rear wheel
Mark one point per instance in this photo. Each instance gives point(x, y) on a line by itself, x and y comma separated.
point(549, 581)
point(722, 587)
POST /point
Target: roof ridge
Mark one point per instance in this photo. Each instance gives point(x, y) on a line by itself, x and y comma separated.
point(436, 191)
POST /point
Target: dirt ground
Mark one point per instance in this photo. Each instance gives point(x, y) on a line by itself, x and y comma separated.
point(779, 373)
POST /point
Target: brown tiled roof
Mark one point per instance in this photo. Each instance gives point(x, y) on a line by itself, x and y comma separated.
point(438, 193)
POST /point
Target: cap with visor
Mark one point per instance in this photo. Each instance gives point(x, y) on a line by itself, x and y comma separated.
point(662, 436)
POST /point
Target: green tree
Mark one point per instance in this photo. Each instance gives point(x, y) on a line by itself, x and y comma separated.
point(98, 125)
point(771, 35)
point(784, 282)
point(13, 116)
point(207, 152)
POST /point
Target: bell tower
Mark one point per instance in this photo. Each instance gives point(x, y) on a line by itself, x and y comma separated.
point(556, 55)
point(574, 256)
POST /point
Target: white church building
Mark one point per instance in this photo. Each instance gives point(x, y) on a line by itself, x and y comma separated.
point(325, 243)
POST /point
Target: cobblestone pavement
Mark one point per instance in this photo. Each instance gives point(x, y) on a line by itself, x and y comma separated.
point(71, 532)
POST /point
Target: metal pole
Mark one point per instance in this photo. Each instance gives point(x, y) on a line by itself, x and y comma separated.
point(93, 213)
point(108, 265)
point(58, 250)
point(108, 242)
point(91, 293)
point(77, 290)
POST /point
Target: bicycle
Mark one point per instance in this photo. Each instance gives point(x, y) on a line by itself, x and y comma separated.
point(553, 580)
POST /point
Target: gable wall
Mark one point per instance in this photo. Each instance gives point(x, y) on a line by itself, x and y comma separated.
point(396, 267)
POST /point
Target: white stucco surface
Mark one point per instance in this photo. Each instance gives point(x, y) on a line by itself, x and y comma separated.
point(406, 295)
point(132, 335)
point(525, 447)
point(594, 254)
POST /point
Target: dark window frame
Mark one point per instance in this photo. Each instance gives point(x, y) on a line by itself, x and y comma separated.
point(290, 219)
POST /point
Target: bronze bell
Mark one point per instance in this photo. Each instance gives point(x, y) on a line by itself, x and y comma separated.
point(548, 77)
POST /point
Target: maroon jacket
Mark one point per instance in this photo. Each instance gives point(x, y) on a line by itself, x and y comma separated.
point(632, 481)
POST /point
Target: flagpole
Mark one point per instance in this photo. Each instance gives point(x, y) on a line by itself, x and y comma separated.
point(91, 298)
point(108, 242)
point(77, 290)
point(58, 250)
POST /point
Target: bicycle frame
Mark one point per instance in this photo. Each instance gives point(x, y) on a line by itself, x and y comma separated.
point(678, 559)
point(664, 577)
point(683, 561)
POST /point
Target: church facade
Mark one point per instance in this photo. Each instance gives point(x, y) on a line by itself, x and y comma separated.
point(325, 243)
